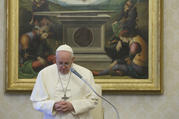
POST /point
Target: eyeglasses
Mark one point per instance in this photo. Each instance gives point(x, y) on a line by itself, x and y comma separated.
point(64, 64)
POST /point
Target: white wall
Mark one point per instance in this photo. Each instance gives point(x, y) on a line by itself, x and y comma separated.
point(166, 106)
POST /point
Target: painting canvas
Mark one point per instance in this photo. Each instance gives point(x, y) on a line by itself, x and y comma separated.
point(113, 29)
point(112, 38)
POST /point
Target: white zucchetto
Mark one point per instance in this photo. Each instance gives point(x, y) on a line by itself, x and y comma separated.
point(64, 48)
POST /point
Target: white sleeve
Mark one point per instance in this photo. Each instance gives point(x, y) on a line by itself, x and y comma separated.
point(40, 98)
point(88, 102)
point(45, 106)
point(39, 92)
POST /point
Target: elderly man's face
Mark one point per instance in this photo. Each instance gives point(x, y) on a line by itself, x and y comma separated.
point(64, 60)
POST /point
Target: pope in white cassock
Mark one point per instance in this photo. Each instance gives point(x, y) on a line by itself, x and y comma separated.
point(59, 93)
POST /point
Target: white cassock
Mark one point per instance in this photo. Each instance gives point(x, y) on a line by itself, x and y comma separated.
point(48, 90)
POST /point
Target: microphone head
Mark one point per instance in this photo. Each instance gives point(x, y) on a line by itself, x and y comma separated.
point(75, 72)
point(72, 69)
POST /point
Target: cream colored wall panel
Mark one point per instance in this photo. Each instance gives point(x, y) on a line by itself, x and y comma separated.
point(166, 106)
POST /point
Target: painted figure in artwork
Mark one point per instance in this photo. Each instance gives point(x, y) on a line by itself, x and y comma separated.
point(127, 49)
point(34, 51)
point(135, 63)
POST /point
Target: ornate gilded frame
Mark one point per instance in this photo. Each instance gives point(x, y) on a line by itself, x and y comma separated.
point(152, 85)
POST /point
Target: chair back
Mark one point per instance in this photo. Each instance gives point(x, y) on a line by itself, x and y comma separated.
point(97, 113)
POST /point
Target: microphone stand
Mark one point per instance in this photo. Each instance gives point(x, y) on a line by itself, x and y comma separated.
point(80, 77)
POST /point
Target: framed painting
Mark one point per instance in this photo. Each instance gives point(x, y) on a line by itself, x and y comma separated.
point(118, 40)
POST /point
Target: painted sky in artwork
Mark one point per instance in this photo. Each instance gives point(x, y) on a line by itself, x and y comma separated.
point(78, 2)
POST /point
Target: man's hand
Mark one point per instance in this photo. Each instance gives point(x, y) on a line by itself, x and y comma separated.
point(113, 64)
point(114, 23)
point(44, 36)
point(128, 60)
point(63, 106)
point(118, 46)
point(41, 60)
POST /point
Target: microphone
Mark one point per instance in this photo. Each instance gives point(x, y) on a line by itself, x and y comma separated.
point(76, 73)
point(80, 77)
